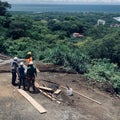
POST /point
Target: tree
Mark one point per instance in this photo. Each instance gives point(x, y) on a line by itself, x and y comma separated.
point(3, 8)
point(19, 27)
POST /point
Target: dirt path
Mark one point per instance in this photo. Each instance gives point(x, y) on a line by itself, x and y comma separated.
point(14, 107)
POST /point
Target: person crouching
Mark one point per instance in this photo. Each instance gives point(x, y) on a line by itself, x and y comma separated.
point(31, 74)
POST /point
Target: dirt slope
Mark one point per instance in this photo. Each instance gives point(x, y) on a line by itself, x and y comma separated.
point(14, 107)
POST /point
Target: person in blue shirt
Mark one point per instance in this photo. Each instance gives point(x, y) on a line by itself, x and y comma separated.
point(14, 68)
point(22, 76)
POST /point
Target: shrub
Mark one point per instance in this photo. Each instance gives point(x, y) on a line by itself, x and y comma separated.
point(104, 72)
point(64, 56)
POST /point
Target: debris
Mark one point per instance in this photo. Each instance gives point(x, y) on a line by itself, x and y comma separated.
point(53, 86)
point(69, 91)
point(57, 91)
point(32, 101)
point(47, 95)
point(45, 88)
point(84, 96)
point(50, 82)
point(73, 80)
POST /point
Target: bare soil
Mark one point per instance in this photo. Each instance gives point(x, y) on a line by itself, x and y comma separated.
point(13, 106)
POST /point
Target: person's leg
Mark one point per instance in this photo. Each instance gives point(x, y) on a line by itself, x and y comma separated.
point(13, 77)
point(33, 83)
point(24, 83)
point(28, 84)
point(20, 82)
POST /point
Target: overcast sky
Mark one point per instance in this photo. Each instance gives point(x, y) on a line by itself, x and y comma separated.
point(63, 1)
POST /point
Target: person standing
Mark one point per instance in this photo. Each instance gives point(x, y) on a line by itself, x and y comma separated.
point(31, 74)
point(14, 70)
point(29, 58)
point(21, 74)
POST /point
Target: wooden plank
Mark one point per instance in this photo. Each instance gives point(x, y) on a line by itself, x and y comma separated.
point(84, 96)
point(32, 101)
point(45, 88)
point(50, 97)
point(42, 87)
point(47, 95)
point(57, 91)
point(37, 70)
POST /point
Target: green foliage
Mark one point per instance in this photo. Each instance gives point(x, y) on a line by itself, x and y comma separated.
point(64, 56)
point(4, 18)
point(104, 72)
point(78, 61)
point(19, 27)
point(70, 25)
point(2, 48)
point(49, 37)
point(3, 8)
point(98, 32)
point(107, 47)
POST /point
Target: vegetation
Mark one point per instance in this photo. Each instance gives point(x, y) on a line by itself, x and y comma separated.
point(49, 36)
point(105, 73)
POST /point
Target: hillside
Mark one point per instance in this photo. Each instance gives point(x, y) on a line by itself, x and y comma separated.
point(76, 50)
point(76, 107)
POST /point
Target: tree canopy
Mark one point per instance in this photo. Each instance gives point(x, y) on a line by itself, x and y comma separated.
point(3, 8)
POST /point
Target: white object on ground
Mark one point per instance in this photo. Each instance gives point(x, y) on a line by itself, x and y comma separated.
point(70, 91)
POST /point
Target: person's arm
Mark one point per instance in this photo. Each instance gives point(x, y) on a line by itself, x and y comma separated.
point(35, 72)
point(17, 67)
point(18, 72)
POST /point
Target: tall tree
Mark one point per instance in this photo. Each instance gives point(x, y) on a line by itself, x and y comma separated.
point(3, 8)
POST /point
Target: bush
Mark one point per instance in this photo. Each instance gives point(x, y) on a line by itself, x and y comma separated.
point(64, 56)
point(104, 72)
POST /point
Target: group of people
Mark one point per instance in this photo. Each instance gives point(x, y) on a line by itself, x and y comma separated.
point(26, 75)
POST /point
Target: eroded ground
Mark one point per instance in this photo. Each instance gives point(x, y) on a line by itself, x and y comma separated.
point(13, 106)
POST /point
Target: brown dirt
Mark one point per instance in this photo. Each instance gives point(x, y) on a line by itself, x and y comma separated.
point(15, 107)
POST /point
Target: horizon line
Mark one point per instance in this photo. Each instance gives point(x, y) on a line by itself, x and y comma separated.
point(69, 3)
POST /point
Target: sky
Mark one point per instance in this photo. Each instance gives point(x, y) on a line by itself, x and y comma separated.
point(63, 1)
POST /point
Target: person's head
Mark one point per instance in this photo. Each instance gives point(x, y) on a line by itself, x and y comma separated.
point(29, 53)
point(21, 63)
point(15, 59)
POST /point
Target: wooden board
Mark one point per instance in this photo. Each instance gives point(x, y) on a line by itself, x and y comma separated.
point(32, 101)
point(43, 88)
point(47, 95)
point(57, 91)
point(37, 70)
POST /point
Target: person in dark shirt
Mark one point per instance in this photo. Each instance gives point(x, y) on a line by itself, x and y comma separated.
point(31, 74)
point(22, 76)
point(14, 68)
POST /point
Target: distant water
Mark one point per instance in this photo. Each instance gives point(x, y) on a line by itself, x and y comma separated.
point(65, 8)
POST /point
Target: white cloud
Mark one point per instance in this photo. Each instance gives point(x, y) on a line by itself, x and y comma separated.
point(62, 1)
